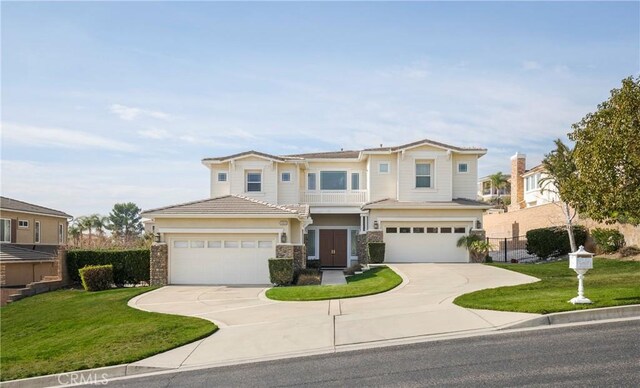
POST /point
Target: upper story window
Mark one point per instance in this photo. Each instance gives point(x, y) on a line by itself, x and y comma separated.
point(36, 232)
point(5, 230)
point(311, 181)
point(60, 234)
point(463, 168)
point(254, 181)
point(333, 180)
point(383, 168)
point(532, 182)
point(355, 181)
point(23, 224)
point(423, 175)
point(222, 177)
point(285, 177)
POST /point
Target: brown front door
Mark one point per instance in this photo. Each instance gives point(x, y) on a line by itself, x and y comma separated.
point(333, 247)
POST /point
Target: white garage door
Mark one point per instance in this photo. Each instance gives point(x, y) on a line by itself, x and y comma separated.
point(221, 259)
point(425, 242)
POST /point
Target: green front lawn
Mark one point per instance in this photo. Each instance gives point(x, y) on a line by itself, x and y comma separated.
point(609, 283)
point(70, 330)
point(373, 281)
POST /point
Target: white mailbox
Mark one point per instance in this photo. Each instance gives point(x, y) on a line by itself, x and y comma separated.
point(580, 261)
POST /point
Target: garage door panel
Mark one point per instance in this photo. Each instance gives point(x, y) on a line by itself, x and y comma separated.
point(425, 242)
point(221, 259)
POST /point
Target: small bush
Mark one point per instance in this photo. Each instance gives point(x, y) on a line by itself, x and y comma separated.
point(281, 271)
point(308, 279)
point(353, 269)
point(488, 259)
point(376, 252)
point(129, 266)
point(629, 251)
point(305, 272)
point(313, 264)
point(554, 241)
point(97, 277)
point(607, 240)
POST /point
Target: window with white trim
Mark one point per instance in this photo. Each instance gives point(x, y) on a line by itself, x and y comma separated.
point(532, 182)
point(181, 244)
point(423, 175)
point(333, 180)
point(254, 181)
point(445, 230)
point(197, 244)
point(311, 181)
point(230, 244)
point(463, 168)
point(311, 242)
point(265, 244)
point(285, 176)
point(222, 177)
point(248, 244)
point(391, 230)
point(459, 230)
point(355, 181)
point(214, 244)
point(36, 231)
point(60, 234)
point(383, 168)
point(5, 230)
point(354, 242)
point(23, 224)
point(432, 230)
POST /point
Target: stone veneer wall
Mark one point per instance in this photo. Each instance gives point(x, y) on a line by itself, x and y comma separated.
point(297, 252)
point(363, 240)
point(159, 264)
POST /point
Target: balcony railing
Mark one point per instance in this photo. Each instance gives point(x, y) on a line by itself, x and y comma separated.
point(334, 197)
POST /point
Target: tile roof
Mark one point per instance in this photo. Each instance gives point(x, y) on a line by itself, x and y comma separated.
point(350, 154)
point(13, 253)
point(230, 205)
point(20, 206)
point(388, 203)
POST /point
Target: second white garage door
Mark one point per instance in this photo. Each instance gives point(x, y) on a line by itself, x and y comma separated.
point(425, 242)
point(221, 259)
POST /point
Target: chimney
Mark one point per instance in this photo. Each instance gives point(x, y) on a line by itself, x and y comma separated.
point(518, 167)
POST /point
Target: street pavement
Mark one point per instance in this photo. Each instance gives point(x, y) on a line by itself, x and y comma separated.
point(254, 328)
point(589, 355)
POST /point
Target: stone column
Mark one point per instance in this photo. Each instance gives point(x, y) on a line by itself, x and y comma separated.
point(159, 264)
point(518, 167)
point(63, 273)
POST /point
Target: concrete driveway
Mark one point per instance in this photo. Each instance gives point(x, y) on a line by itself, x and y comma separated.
point(255, 328)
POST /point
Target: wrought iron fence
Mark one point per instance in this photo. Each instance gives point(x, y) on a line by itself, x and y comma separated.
point(510, 249)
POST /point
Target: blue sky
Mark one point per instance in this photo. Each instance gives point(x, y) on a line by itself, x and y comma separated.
point(112, 102)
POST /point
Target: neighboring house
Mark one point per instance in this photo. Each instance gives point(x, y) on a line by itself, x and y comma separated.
point(487, 191)
point(30, 236)
point(419, 198)
point(529, 187)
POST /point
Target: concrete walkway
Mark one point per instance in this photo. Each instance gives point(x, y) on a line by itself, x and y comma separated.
point(333, 277)
point(253, 327)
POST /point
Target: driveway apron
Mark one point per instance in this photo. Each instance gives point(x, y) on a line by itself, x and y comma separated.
point(253, 327)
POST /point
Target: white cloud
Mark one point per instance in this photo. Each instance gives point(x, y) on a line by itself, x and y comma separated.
point(130, 113)
point(60, 137)
point(531, 65)
point(155, 133)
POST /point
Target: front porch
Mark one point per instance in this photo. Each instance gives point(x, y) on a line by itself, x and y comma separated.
point(332, 240)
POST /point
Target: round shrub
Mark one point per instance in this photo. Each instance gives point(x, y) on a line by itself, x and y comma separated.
point(607, 240)
point(97, 277)
point(376, 252)
point(281, 271)
point(554, 241)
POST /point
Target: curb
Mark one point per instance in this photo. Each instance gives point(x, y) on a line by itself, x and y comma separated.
point(578, 316)
point(96, 376)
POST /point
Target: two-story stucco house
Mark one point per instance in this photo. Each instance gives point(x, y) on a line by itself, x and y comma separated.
point(530, 187)
point(418, 198)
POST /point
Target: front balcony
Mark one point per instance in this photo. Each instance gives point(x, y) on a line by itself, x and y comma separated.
point(334, 197)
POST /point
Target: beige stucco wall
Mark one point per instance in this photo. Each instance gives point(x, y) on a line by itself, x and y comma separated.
point(20, 274)
point(518, 222)
point(48, 227)
point(219, 189)
point(288, 192)
point(336, 219)
point(382, 185)
point(441, 177)
point(465, 185)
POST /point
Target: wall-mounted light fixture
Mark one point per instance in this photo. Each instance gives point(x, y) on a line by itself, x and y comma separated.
point(283, 237)
point(157, 237)
point(375, 224)
point(478, 224)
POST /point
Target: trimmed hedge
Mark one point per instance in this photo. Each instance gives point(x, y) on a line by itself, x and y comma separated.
point(281, 271)
point(607, 240)
point(554, 241)
point(129, 266)
point(97, 277)
point(376, 252)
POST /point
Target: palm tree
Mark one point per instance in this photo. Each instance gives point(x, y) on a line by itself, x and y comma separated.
point(101, 223)
point(75, 232)
point(476, 245)
point(499, 181)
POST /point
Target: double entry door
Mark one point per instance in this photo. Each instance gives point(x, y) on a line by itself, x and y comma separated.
point(333, 247)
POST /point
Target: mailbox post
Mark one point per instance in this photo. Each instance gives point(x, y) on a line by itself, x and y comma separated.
point(580, 261)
